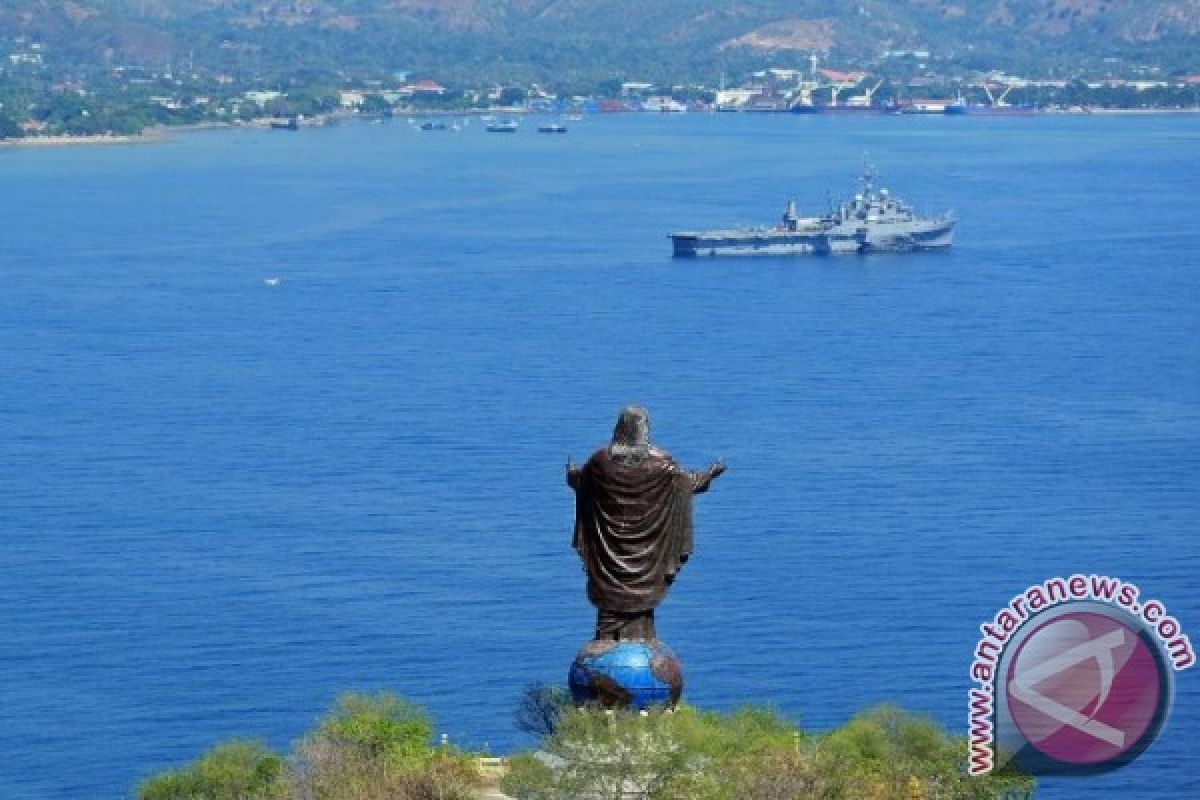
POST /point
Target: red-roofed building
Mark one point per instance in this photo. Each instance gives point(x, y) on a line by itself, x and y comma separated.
point(427, 87)
point(843, 77)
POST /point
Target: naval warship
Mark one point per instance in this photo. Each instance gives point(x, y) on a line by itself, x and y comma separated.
point(872, 221)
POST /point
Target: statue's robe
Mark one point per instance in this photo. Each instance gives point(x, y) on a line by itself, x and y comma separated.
point(633, 526)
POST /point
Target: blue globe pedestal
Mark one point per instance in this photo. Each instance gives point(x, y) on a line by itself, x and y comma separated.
point(633, 674)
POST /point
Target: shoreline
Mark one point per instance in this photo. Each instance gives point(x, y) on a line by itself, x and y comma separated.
point(160, 133)
point(98, 139)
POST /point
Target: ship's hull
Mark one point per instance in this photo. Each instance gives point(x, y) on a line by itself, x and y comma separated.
point(812, 108)
point(930, 235)
point(961, 109)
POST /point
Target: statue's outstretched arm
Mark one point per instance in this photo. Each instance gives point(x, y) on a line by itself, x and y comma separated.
point(703, 479)
point(572, 474)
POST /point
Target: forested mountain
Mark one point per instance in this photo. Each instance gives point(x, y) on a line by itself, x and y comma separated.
point(562, 42)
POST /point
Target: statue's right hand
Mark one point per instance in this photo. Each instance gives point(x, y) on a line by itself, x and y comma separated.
point(718, 468)
point(572, 473)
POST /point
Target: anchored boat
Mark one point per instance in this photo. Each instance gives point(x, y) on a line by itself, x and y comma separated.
point(502, 126)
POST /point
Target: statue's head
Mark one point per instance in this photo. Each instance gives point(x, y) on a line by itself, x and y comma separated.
point(631, 436)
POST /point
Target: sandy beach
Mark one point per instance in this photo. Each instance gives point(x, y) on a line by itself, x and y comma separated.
point(70, 141)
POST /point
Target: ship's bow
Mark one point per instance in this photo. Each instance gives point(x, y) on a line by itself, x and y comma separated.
point(684, 245)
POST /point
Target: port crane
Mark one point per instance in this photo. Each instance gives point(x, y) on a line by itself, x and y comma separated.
point(856, 101)
point(1000, 101)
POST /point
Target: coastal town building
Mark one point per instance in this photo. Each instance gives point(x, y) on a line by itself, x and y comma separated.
point(261, 98)
point(425, 87)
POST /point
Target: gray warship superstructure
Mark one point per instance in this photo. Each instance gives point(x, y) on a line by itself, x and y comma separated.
point(872, 221)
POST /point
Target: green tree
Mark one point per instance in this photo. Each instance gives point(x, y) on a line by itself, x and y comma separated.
point(512, 96)
point(374, 104)
point(236, 770)
point(278, 107)
point(312, 100)
point(541, 708)
point(9, 129)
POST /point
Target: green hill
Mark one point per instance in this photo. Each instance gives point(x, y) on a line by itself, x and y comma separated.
point(566, 41)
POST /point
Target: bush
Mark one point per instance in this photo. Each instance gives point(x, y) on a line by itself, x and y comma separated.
point(369, 747)
point(900, 755)
point(377, 747)
point(236, 770)
point(750, 754)
point(323, 770)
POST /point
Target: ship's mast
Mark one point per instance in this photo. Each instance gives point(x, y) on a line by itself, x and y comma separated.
point(868, 178)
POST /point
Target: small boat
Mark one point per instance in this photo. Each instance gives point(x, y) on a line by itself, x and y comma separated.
point(503, 126)
point(285, 123)
point(434, 126)
point(552, 127)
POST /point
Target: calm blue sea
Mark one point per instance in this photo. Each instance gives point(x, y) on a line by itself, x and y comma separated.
point(223, 502)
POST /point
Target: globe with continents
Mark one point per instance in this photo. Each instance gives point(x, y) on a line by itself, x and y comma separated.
point(634, 674)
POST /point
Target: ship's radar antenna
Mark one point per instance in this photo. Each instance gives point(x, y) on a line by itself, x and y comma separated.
point(868, 176)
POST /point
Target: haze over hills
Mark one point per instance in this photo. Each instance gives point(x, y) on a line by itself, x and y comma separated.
point(583, 40)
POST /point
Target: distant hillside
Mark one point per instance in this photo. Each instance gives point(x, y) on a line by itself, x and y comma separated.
point(560, 41)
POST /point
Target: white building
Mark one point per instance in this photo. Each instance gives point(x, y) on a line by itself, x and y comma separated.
point(636, 88)
point(733, 98)
point(262, 98)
